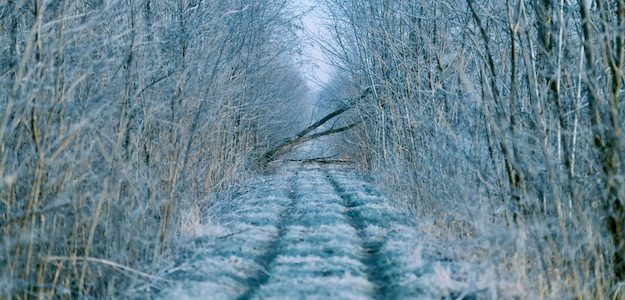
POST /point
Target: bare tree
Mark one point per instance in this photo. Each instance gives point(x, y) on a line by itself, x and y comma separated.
point(498, 106)
point(117, 118)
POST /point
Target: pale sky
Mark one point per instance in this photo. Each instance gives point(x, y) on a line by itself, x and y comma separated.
point(316, 70)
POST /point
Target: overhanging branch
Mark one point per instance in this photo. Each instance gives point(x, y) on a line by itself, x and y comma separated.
point(303, 136)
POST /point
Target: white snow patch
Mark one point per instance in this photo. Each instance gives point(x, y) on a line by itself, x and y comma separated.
point(317, 260)
point(211, 230)
point(224, 289)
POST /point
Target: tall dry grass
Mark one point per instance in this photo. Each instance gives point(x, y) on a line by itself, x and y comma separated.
point(117, 120)
point(500, 123)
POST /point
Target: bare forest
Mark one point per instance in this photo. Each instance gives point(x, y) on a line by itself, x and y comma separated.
point(497, 126)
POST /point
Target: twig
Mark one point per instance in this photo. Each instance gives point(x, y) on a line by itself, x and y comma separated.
point(103, 262)
point(322, 160)
point(232, 233)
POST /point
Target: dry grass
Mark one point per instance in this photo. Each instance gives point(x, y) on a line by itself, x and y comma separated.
point(498, 123)
point(117, 120)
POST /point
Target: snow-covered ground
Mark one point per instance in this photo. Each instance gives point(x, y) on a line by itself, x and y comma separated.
point(319, 233)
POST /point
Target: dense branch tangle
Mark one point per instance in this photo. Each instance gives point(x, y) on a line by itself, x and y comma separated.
point(118, 119)
point(512, 105)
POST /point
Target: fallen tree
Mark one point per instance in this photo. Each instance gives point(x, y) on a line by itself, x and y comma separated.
point(305, 135)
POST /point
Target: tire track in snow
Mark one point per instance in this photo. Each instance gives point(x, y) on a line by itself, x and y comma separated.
point(313, 232)
point(274, 248)
point(320, 254)
point(404, 263)
point(373, 260)
point(222, 259)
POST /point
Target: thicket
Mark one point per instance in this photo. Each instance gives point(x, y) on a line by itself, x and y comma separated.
point(117, 119)
point(501, 121)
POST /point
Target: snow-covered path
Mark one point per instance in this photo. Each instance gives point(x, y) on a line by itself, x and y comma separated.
point(315, 232)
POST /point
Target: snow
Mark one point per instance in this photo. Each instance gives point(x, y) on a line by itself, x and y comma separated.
point(317, 233)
